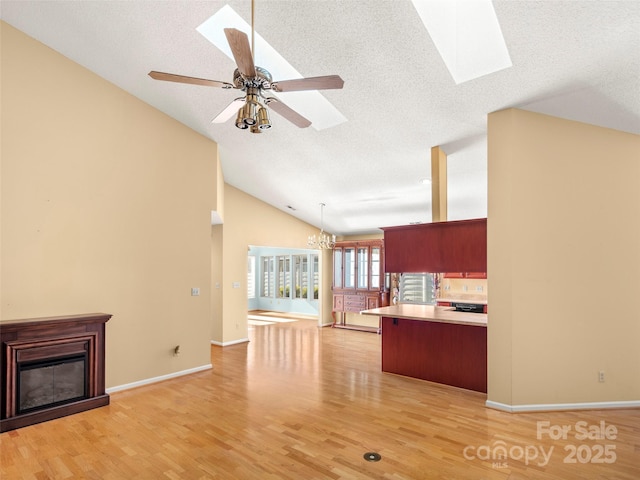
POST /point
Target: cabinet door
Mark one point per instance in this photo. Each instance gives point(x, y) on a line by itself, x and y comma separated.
point(372, 302)
point(349, 267)
point(362, 268)
point(337, 267)
point(376, 268)
point(338, 303)
point(457, 246)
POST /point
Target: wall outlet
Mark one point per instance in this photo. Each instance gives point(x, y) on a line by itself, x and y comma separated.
point(479, 288)
point(601, 377)
point(465, 288)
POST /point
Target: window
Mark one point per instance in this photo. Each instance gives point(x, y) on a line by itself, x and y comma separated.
point(301, 276)
point(251, 276)
point(417, 288)
point(268, 282)
point(315, 275)
point(284, 276)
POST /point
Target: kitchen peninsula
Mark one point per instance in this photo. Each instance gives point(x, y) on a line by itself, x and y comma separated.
point(434, 343)
point(430, 342)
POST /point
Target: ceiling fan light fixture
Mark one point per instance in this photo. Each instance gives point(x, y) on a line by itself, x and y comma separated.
point(249, 113)
point(255, 129)
point(263, 119)
point(240, 120)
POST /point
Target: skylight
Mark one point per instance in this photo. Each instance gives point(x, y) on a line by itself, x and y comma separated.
point(467, 35)
point(310, 104)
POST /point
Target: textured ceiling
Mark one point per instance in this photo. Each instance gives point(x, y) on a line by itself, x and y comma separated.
point(576, 59)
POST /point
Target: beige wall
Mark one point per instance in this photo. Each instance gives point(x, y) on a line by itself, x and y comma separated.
point(249, 221)
point(563, 261)
point(216, 282)
point(355, 238)
point(105, 208)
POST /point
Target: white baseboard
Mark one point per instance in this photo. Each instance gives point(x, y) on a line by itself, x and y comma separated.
point(161, 378)
point(561, 406)
point(232, 342)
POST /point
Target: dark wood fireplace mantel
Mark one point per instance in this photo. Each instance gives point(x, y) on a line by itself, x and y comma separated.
point(24, 343)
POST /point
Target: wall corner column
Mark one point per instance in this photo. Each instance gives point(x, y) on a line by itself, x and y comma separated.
point(438, 185)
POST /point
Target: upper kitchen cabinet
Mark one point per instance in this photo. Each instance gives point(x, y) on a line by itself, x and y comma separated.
point(458, 246)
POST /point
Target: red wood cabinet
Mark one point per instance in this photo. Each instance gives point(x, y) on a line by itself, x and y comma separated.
point(358, 279)
point(475, 275)
point(439, 352)
point(454, 275)
point(358, 276)
point(458, 246)
point(465, 275)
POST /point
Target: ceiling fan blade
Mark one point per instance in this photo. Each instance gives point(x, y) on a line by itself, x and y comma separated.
point(288, 113)
point(170, 77)
point(229, 111)
point(239, 43)
point(312, 83)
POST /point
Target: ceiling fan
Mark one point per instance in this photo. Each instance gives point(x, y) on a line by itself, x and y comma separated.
point(255, 82)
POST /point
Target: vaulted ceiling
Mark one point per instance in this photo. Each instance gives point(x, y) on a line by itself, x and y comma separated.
point(575, 59)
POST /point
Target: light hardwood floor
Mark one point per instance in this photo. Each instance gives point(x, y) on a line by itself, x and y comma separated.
point(299, 403)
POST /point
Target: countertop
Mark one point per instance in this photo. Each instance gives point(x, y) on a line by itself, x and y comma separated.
point(429, 313)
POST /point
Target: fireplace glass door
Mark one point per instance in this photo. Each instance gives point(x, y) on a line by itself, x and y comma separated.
point(51, 382)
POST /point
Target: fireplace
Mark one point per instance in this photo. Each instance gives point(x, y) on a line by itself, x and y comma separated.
point(51, 367)
point(52, 382)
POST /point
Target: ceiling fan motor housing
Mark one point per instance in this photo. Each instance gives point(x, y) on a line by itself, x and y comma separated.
point(262, 80)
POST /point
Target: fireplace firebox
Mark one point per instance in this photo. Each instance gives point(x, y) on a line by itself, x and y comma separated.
point(51, 367)
point(51, 382)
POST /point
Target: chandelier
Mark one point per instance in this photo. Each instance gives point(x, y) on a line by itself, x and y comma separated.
point(323, 240)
